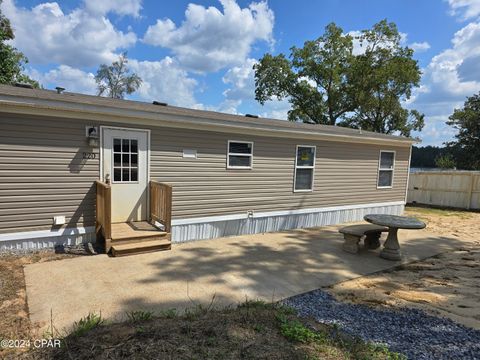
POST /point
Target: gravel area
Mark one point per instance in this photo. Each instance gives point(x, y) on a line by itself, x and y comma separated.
point(411, 332)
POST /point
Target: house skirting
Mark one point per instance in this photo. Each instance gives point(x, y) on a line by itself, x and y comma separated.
point(213, 226)
point(243, 224)
point(34, 240)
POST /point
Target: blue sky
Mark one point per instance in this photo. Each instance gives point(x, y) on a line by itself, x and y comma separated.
point(200, 53)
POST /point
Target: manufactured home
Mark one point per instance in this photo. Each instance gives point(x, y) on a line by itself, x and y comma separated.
point(139, 176)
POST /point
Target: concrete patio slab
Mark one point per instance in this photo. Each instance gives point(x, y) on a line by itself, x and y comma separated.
point(264, 266)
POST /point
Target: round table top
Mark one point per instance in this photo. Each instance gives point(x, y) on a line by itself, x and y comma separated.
point(399, 222)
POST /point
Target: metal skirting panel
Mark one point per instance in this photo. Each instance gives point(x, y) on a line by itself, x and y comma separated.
point(217, 229)
point(35, 242)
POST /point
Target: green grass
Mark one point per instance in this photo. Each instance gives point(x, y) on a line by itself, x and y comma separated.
point(294, 330)
point(168, 313)
point(139, 315)
point(253, 329)
point(86, 324)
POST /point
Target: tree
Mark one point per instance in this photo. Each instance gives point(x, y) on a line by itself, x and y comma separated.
point(12, 61)
point(314, 80)
point(466, 121)
point(116, 79)
point(383, 76)
point(424, 157)
point(327, 84)
point(445, 161)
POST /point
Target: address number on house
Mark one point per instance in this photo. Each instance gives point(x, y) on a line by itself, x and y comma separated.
point(87, 155)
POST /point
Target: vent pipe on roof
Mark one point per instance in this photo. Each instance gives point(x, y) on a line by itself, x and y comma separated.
point(24, 85)
point(159, 103)
point(251, 116)
point(59, 89)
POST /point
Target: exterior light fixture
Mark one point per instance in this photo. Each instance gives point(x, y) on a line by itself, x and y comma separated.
point(91, 133)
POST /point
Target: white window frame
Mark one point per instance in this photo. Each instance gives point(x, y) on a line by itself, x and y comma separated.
point(304, 167)
point(112, 171)
point(385, 169)
point(239, 154)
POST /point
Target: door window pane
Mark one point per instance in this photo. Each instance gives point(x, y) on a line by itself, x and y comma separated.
point(134, 159)
point(117, 159)
point(125, 145)
point(117, 174)
point(134, 174)
point(125, 160)
point(125, 164)
point(303, 179)
point(125, 174)
point(134, 146)
point(117, 145)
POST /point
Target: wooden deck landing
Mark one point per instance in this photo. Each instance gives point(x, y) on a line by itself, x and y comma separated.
point(138, 237)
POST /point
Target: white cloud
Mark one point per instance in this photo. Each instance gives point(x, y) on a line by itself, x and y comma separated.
point(241, 80)
point(451, 76)
point(435, 132)
point(47, 35)
point(465, 9)
point(208, 39)
point(241, 90)
point(420, 46)
point(73, 80)
point(120, 7)
point(165, 81)
point(452, 72)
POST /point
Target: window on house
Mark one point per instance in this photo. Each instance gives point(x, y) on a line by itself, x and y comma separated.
point(385, 169)
point(240, 154)
point(304, 168)
point(125, 160)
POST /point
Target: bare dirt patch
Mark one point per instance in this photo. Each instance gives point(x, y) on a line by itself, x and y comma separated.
point(14, 320)
point(447, 284)
point(253, 330)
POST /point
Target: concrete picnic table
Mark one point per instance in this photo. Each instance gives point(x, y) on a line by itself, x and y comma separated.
point(391, 248)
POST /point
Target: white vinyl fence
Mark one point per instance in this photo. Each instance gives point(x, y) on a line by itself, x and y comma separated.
point(459, 189)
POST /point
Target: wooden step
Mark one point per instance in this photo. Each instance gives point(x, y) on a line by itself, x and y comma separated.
point(122, 249)
point(136, 232)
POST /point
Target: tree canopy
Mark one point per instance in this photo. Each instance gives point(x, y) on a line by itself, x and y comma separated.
point(12, 61)
point(115, 80)
point(326, 82)
point(424, 157)
point(466, 147)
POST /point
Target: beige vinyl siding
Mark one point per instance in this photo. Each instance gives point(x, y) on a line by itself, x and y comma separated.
point(43, 173)
point(344, 174)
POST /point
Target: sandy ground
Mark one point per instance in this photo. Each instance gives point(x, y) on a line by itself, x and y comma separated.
point(447, 284)
point(14, 319)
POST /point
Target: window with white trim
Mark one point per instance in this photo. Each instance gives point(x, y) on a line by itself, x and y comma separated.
point(304, 168)
point(125, 160)
point(386, 164)
point(239, 154)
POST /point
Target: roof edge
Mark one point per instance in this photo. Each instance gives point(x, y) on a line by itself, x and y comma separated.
point(58, 108)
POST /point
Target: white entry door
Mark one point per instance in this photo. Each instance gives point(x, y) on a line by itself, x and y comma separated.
point(125, 164)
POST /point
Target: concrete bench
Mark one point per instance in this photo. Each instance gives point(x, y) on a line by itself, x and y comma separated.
point(353, 233)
